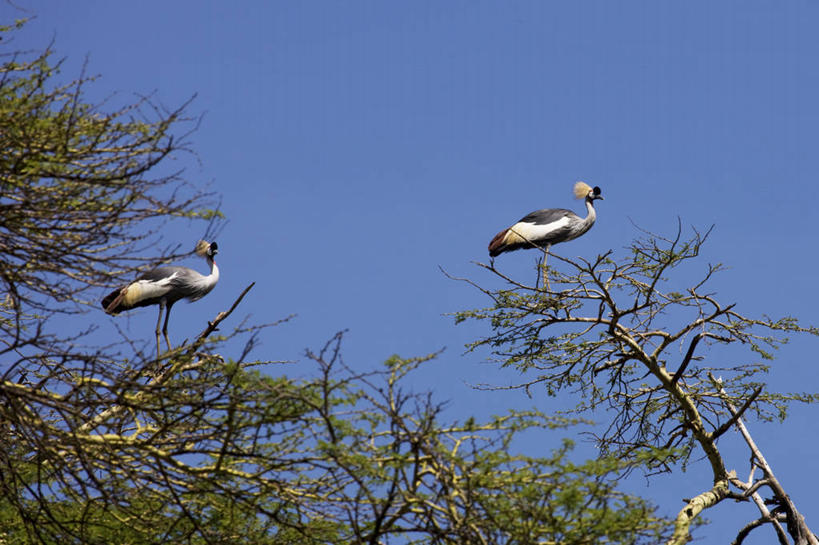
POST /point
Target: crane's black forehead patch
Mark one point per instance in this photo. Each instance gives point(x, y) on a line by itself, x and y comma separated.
point(596, 190)
point(214, 246)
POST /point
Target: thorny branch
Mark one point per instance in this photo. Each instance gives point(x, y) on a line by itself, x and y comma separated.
point(182, 358)
point(607, 331)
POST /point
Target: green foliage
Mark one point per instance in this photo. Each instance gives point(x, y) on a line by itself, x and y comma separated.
point(212, 452)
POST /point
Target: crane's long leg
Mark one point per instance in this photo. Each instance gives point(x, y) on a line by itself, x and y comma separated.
point(545, 270)
point(165, 327)
point(159, 321)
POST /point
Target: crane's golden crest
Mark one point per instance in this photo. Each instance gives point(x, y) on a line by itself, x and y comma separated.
point(202, 248)
point(581, 190)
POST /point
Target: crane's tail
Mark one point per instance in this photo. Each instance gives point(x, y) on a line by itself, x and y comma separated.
point(509, 240)
point(497, 246)
point(112, 301)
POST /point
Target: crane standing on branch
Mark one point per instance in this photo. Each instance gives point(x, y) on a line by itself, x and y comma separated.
point(542, 228)
point(164, 286)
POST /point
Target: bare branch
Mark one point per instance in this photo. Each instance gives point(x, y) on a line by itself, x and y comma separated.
point(736, 415)
point(743, 533)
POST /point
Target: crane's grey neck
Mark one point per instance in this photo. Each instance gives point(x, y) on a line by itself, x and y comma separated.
point(211, 279)
point(592, 214)
point(590, 218)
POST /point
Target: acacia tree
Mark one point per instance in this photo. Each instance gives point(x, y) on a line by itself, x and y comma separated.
point(609, 331)
point(208, 451)
point(102, 445)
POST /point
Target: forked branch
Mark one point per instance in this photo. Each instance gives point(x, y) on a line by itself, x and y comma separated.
point(178, 364)
point(797, 527)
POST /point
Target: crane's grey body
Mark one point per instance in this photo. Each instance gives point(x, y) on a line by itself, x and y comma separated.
point(542, 228)
point(164, 286)
point(549, 226)
point(170, 283)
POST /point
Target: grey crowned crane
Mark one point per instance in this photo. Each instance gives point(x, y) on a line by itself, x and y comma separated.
point(542, 228)
point(164, 286)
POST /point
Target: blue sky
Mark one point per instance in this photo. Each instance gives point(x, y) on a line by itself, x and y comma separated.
point(359, 146)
